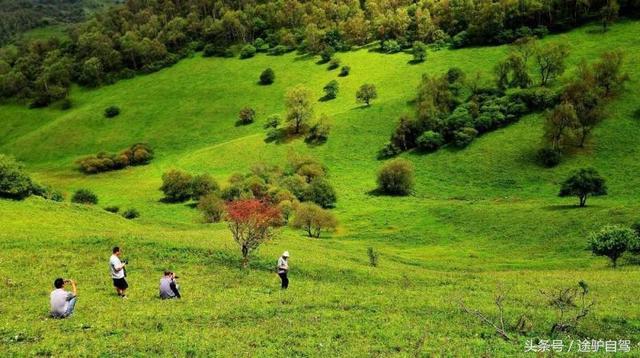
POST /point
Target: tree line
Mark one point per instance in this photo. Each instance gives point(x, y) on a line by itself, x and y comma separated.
point(146, 35)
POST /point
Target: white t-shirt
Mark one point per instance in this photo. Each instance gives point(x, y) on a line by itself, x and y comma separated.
point(60, 301)
point(114, 262)
point(283, 265)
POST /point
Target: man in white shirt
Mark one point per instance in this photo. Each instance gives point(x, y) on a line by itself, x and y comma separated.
point(117, 269)
point(283, 269)
point(63, 302)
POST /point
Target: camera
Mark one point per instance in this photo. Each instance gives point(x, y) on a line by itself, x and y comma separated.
point(126, 262)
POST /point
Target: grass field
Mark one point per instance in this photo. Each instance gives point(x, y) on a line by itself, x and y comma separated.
point(482, 220)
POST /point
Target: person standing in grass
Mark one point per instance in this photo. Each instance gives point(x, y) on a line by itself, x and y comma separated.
point(168, 286)
point(63, 302)
point(117, 269)
point(283, 269)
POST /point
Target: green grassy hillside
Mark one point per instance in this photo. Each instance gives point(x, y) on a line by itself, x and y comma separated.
point(482, 219)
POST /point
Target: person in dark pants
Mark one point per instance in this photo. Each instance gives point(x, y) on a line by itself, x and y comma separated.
point(117, 270)
point(283, 269)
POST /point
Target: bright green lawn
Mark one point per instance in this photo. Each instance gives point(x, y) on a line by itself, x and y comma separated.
point(481, 219)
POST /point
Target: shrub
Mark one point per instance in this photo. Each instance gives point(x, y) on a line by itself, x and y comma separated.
point(176, 186)
point(583, 183)
point(84, 196)
point(247, 51)
point(202, 185)
point(313, 219)
point(612, 242)
point(388, 151)
point(391, 46)
point(260, 45)
point(319, 132)
point(112, 209)
point(278, 50)
point(334, 63)
point(14, 182)
point(419, 51)
point(48, 193)
point(455, 74)
point(212, 208)
point(366, 93)
point(549, 157)
point(246, 115)
point(537, 98)
point(137, 154)
point(327, 54)
point(130, 214)
point(344, 71)
point(373, 256)
point(272, 122)
point(321, 192)
point(636, 228)
point(267, 77)
point(286, 208)
point(430, 141)
point(111, 111)
point(396, 177)
point(464, 137)
point(331, 90)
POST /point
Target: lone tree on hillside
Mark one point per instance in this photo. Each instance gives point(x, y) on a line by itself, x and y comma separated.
point(613, 241)
point(366, 94)
point(396, 177)
point(551, 61)
point(251, 223)
point(583, 183)
point(299, 107)
point(313, 219)
point(267, 77)
point(246, 115)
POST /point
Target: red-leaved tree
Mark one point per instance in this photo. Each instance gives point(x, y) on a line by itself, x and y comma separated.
point(251, 222)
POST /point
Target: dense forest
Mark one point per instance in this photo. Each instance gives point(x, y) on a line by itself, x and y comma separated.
point(146, 35)
point(19, 16)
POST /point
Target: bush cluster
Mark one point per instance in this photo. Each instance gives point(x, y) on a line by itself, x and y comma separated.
point(137, 154)
point(179, 186)
point(111, 111)
point(396, 177)
point(84, 196)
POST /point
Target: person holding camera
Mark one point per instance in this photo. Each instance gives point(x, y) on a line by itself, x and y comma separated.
point(169, 286)
point(283, 269)
point(118, 272)
point(63, 302)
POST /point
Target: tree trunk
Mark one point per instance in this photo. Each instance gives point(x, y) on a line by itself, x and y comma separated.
point(583, 200)
point(245, 257)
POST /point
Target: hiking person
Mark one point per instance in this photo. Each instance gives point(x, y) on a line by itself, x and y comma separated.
point(168, 286)
point(283, 269)
point(118, 273)
point(63, 302)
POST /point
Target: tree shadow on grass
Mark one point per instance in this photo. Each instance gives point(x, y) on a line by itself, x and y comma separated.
point(378, 192)
point(415, 62)
point(281, 136)
point(240, 123)
point(326, 98)
point(565, 207)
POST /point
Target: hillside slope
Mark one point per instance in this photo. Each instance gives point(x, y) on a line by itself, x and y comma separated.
point(482, 219)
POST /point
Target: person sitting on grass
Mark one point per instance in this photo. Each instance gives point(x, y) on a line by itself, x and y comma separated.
point(168, 286)
point(118, 274)
point(283, 269)
point(63, 302)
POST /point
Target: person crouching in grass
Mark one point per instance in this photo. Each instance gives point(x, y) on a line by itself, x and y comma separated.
point(63, 302)
point(168, 286)
point(118, 274)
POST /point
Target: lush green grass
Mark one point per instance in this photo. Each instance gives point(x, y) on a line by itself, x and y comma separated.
point(481, 219)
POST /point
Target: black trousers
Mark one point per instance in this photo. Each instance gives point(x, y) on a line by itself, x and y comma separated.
point(285, 280)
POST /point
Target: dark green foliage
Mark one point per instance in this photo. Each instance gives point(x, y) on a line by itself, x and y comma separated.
point(137, 154)
point(396, 177)
point(212, 208)
point(430, 141)
point(373, 256)
point(537, 98)
point(278, 50)
point(211, 50)
point(390, 46)
point(321, 192)
point(319, 132)
point(333, 64)
point(548, 157)
point(14, 182)
point(366, 93)
point(111, 111)
point(455, 74)
point(331, 90)
point(47, 193)
point(419, 51)
point(613, 241)
point(388, 151)
point(176, 186)
point(246, 115)
point(112, 209)
point(247, 51)
point(583, 183)
point(272, 122)
point(202, 185)
point(267, 77)
point(66, 104)
point(131, 214)
point(344, 71)
point(327, 54)
point(84, 196)
point(464, 137)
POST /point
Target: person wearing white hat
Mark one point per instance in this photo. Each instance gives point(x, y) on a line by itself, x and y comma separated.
point(283, 269)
